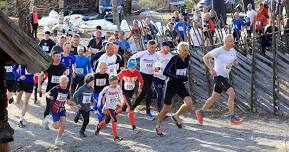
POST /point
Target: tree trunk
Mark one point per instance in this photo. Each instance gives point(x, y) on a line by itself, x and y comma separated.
point(115, 14)
point(23, 14)
point(127, 7)
point(97, 6)
point(286, 4)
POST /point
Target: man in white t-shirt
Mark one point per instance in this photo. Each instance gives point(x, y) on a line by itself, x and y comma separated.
point(147, 60)
point(251, 13)
point(109, 58)
point(224, 58)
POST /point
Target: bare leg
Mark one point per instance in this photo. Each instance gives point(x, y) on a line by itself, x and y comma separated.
point(62, 127)
point(18, 96)
point(188, 103)
point(166, 109)
point(210, 101)
point(25, 104)
point(231, 100)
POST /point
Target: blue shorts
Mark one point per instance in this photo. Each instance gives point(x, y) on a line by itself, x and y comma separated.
point(56, 115)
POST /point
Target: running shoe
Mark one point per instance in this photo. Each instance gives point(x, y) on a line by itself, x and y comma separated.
point(177, 122)
point(150, 117)
point(76, 119)
point(135, 131)
point(234, 120)
point(59, 142)
point(118, 139)
point(21, 124)
point(97, 131)
point(199, 115)
point(11, 100)
point(82, 134)
point(159, 132)
point(45, 124)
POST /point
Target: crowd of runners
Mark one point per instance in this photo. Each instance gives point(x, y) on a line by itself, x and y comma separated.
point(104, 78)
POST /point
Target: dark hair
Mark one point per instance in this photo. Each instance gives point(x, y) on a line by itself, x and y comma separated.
point(55, 52)
point(152, 42)
point(115, 43)
point(98, 28)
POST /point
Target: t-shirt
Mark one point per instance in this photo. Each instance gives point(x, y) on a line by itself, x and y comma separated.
point(111, 97)
point(22, 71)
point(9, 75)
point(82, 66)
point(260, 22)
point(170, 35)
point(68, 61)
point(100, 81)
point(177, 69)
point(111, 62)
point(237, 25)
point(251, 14)
point(164, 60)
point(146, 61)
point(182, 27)
point(96, 47)
point(53, 74)
point(46, 45)
point(128, 79)
point(223, 60)
point(60, 97)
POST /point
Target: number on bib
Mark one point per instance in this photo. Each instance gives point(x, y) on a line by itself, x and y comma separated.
point(54, 79)
point(181, 72)
point(9, 68)
point(100, 82)
point(129, 85)
point(86, 99)
point(62, 97)
point(79, 71)
point(45, 48)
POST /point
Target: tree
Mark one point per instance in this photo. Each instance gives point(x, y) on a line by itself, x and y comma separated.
point(115, 14)
point(286, 4)
point(23, 14)
point(97, 5)
point(127, 7)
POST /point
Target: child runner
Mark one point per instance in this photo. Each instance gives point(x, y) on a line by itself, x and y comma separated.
point(110, 95)
point(128, 78)
point(84, 96)
point(101, 81)
point(59, 95)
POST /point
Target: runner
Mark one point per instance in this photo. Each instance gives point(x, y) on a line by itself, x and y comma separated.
point(75, 44)
point(68, 60)
point(176, 70)
point(54, 71)
point(11, 82)
point(46, 44)
point(101, 81)
point(224, 58)
point(159, 78)
point(110, 96)
point(59, 95)
point(25, 84)
point(147, 58)
point(128, 78)
point(119, 55)
point(83, 97)
point(109, 58)
point(95, 44)
point(171, 35)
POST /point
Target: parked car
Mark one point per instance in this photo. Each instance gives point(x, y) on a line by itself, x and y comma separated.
point(105, 7)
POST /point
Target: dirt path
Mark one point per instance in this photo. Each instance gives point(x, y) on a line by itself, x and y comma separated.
point(265, 133)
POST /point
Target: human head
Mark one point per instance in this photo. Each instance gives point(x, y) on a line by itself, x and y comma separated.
point(98, 34)
point(80, 50)
point(207, 16)
point(236, 15)
point(109, 49)
point(171, 25)
point(56, 57)
point(102, 68)
point(89, 80)
point(98, 28)
point(176, 13)
point(108, 35)
point(131, 63)
point(228, 41)
point(152, 46)
point(76, 40)
point(111, 39)
point(205, 9)
point(67, 47)
point(62, 39)
point(249, 6)
point(165, 47)
point(183, 49)
point(63, 82)
point(113, 80)
point(115, 47)
point(47, 35)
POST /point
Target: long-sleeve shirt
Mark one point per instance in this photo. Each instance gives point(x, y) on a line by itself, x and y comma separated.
point(84, 96)
point(128, 79)
point(182, 28)
point(23, 72)
point(111, 97)
point(177, 69)
point(82, 66)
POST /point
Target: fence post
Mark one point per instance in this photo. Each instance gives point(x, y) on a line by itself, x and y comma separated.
point(253, 107)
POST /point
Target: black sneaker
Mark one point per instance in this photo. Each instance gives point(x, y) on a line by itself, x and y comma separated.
point(179, 125)
point(76, 119)
point(11, 100)
point(82, 134)
point(159, 132)
point(20, 124)
point(117, 139)
point(97, 131)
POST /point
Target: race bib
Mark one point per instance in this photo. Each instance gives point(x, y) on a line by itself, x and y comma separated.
point(61, 97)
point(68, 71)
point(9, 68)
point(180, 28)
point(94, 51)
point(86, 99)
point(26, 72)
point(55, 79)
point(169, 38)
point(181, 72)
point(148, 64)
point(100, 82)
point(79, 71)
point(248, 28)
point(112, 68)
point(258, 22)
point(129, 85)
point(45, 48)
point(228, 68)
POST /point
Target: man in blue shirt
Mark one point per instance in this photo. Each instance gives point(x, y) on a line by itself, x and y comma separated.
point(238, 24)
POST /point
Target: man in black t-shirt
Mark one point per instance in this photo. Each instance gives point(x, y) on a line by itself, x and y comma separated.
point(75, 44)
point(46, 44)
point(95, 44)
point(55, 70)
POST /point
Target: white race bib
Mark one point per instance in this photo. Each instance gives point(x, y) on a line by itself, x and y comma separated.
point(180, 28)
point(111, 68)
point(228, 68)
point(79, 71)
point(9, 68)
point(45, 48)
point(100, 82)
point(169, 38)
point(181, 72)
point(94, 51)
point(54, 79)
point(62, 97)
point(248, 28)
point(129, 85)
point(148, 64)
point(86, 99)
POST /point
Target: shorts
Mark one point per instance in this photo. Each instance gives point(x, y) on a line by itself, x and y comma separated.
point(221, 84)
point(11, 85)
point(175, 88)
point(26, 87)
point(56, 115)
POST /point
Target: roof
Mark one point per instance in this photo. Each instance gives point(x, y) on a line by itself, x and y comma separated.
point(20, 47)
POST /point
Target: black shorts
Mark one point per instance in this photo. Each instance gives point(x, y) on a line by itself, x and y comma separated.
point(175, 88)
point(11, 85)
point(26, 87)
point(221, 84)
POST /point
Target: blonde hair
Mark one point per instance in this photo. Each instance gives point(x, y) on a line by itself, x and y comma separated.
point(63, 78)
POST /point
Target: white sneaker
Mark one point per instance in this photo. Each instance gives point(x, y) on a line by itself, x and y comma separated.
point(45, 123)
point(150, 117)
point(59, 142)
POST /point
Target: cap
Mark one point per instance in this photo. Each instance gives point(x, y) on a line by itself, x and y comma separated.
point(165, 43)
point(131, 63)
point(47, 32)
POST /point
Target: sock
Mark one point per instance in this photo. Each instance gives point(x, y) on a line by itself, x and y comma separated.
point(131, 117)
point(114, 129)
point(102, 124)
